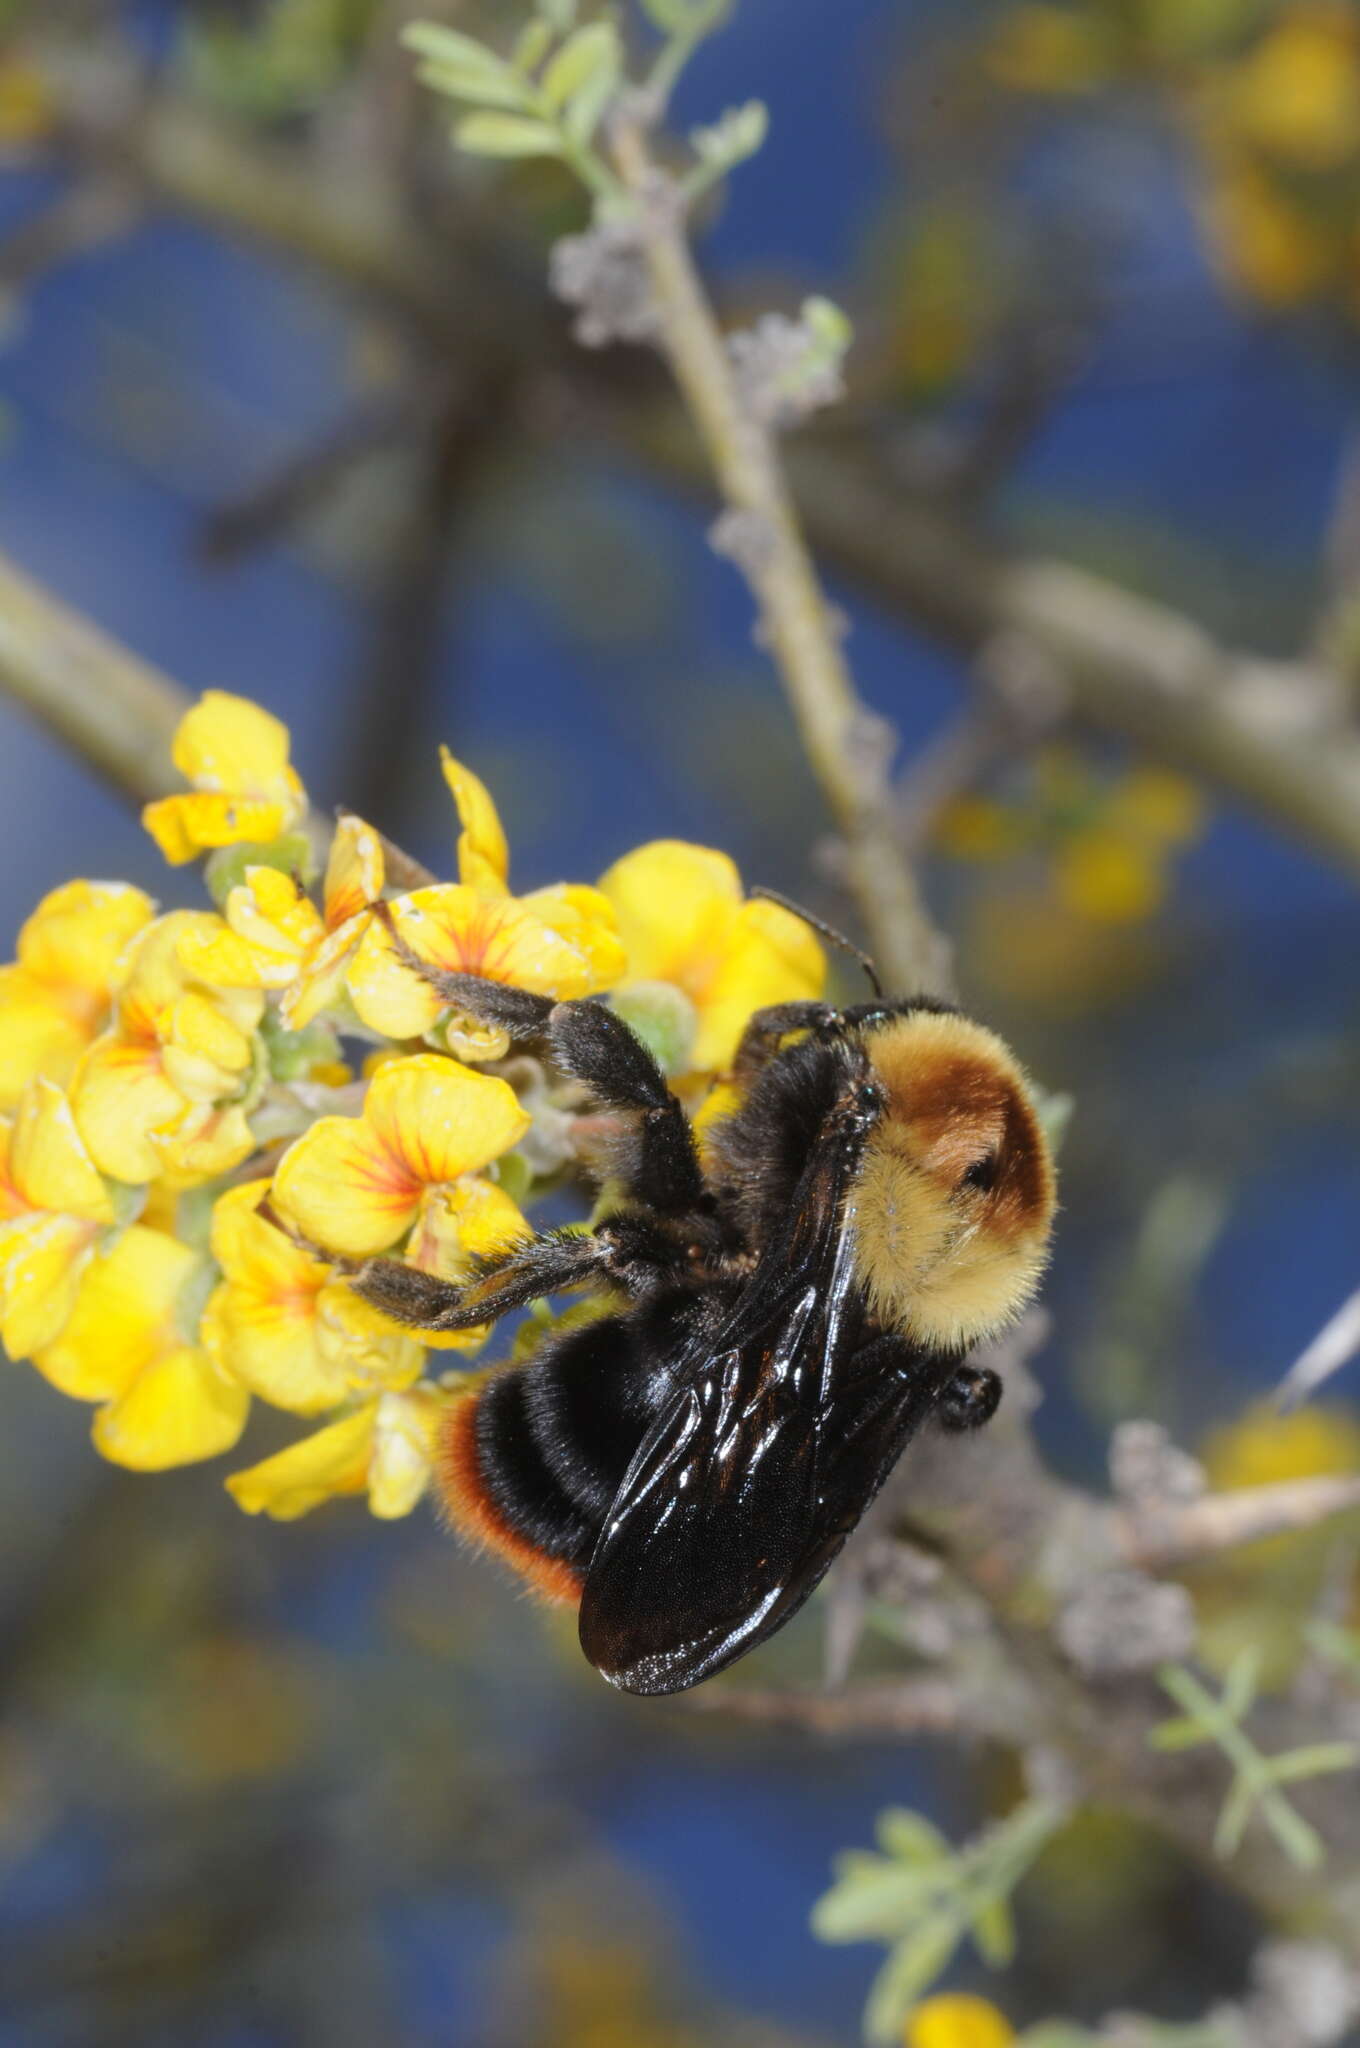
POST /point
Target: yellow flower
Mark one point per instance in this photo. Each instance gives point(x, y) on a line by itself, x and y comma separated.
point(1158, 806)
point(236, 757)
point(1265, 246)
point(55, 997)
point(557, 942)
point(1044, 49)
point(683, 920)
point(284, 1324)
point(1265, 1446)
point(355, 875)
point(161, 1092)
point(955, 2019)
point(385, 1448)
point(1297, 96)
point(131, 1344)
point(54, 1207)
point(1110, 878)
point(357, 1184)
point(560, 941)
point(271, 926)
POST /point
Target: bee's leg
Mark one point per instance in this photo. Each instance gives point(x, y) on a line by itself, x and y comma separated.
point(971, 1398)
point(543, 1265)
point(595, 1046)
point(760, 1040)
point(516, 1011)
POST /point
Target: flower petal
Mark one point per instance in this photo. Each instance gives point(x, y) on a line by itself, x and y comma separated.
point(38, 1034)
point(404, 1443)
point(483, 855)
point(185, 826)
point(454, 927)
point(120, 1096)
point(42, 1260)
point(179, 1410)
point(674, 902)
point(77, 933)
point(227, 743)
point(334, 1461)
point(355, 870)
point(369, 1346)
point(123, 1317)
point(320, 982)
point(342, 1186)
point(48, 1162)
point(771, 957)
point(443, 1119)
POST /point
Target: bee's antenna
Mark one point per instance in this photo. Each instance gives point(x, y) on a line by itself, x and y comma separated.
point(828, 931)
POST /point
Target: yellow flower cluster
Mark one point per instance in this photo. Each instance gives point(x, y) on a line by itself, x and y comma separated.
point(1270, 99)
point(1107, 843)
point(189, 1160)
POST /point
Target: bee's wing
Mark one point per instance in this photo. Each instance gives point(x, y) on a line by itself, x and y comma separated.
point(751, 1478)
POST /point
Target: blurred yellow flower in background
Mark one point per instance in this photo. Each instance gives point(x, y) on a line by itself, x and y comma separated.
point(131, 1344)
point(54, 1208)
point(56, 996)
point(685, 921)
point(236, 757)
point(957, 2019)
point(385, 1448)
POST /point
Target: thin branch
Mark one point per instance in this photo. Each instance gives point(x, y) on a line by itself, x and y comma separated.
point(846, 745)
point(1176, 1534)
point(900, 1706)
point(1139, 669)
point(1335, 1345)
point(114, 710)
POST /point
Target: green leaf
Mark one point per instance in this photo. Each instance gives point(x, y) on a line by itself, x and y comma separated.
point(503, 89)
point(1232, 1822)
point(877, 1904)
point(578, 60)
point(993, 1931)
point(1315, 1761)
point(559, 14)
point(1170, 1736)
point(910, 1837)
point(1301, 1844)
point(828, 324)
point(672, 17)
point(506, 135)
point(1239, 1684)
point(446, 47)
point(738, 135)
point(911, 1969)
point(535, 41)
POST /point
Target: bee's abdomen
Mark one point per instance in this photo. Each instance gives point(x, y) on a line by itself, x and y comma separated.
point(532, 1459)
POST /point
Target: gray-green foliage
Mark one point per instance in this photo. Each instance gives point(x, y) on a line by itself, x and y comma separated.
point(550, 95)
point(1256, 1782)
point(923, 1897)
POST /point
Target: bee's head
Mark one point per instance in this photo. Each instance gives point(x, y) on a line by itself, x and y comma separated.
point(954, 1199)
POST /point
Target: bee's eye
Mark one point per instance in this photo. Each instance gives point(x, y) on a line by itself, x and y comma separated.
point(981, 1174)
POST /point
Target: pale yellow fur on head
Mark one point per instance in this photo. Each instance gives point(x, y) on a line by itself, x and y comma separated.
point(942, 1262)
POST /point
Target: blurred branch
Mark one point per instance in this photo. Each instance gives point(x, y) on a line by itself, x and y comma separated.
point(900, 1706)
point(1267, 733)
point(1176, 1535)
point(847, 747)
point(1335, 1345)
point(109, 707)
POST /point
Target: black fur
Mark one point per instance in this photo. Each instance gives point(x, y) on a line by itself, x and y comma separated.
point(556, 1436)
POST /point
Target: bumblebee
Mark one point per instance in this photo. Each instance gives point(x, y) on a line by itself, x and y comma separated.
point(791, 1310)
